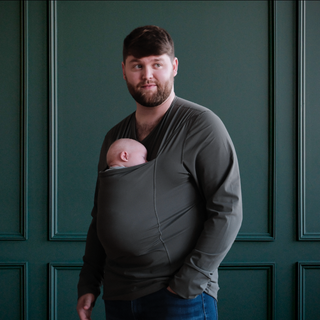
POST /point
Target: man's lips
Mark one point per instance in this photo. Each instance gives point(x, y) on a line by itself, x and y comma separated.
point(148, 86)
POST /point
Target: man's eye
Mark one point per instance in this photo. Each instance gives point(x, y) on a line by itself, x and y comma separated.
point(137, 66)
point(157, 65)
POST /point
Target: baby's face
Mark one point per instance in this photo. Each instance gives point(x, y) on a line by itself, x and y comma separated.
point(138, 156)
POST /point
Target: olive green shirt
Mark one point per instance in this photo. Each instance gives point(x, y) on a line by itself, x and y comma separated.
point(170, 221)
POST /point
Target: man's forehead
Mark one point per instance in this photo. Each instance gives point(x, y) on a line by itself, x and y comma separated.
point(131, 59)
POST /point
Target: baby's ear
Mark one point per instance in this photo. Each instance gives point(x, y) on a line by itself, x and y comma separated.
point(124, 156)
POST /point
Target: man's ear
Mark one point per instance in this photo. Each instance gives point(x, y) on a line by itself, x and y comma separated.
point(123, 71)
point(124, 156)
point(175, 66)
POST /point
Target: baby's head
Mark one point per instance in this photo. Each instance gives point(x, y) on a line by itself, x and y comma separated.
point(126, 153)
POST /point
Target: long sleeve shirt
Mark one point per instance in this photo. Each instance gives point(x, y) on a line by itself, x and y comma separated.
point(170, 221)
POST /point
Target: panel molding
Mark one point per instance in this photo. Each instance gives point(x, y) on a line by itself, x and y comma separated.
point(23, 223)
point(23, 268)
point(302, 267)
point(54, 234)
point(271, 234)
point(54, 267)
point(302, 228)
point(270, 267)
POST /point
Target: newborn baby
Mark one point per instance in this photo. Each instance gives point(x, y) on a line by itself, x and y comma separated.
point(126, 153)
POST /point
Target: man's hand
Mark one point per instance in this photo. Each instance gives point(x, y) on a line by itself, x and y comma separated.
point(84, 306)
point(169, 289)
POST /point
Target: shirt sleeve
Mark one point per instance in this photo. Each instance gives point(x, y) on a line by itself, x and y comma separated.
point(210, 157)
point(91, 275)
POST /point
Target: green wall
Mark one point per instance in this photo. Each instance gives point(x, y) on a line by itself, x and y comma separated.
point(254, 63)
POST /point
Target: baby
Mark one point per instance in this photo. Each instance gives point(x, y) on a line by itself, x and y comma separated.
point(126, 153)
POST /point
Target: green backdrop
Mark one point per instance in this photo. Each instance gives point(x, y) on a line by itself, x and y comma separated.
point(254, 63)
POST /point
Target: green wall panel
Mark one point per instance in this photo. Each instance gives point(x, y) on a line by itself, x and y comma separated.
point(309, 117)
point(63, 279)
point(309, 290)
point(88, 95)
point(244, 285)
point(14, 290)
point(13, 121)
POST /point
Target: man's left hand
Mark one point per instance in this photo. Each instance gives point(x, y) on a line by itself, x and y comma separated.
point(169, 289)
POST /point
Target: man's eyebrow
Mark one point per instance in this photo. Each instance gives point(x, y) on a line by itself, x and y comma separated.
point(134, 60)
point(158, 59)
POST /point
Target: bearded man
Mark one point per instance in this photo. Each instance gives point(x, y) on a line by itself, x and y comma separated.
point(160, 230)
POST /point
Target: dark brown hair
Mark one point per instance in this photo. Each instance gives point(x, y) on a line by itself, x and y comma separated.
point(148, 41)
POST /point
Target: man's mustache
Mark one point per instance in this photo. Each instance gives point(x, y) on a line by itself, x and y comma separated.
point(148, 82)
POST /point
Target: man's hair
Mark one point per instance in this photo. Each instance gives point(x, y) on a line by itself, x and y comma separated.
point(148, 41)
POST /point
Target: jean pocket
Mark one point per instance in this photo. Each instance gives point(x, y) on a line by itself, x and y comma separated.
point(169, 293)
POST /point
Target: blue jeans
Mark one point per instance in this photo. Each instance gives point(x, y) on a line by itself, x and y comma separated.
point(163, 305)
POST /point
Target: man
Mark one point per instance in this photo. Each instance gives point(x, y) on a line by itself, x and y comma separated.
point(158, 254)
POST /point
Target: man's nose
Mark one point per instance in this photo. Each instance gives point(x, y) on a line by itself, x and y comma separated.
point(147, 73)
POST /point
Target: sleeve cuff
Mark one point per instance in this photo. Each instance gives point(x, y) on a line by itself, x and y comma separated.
point(189, 282)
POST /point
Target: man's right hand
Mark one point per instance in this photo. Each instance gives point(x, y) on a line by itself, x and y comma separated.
point(85, 305)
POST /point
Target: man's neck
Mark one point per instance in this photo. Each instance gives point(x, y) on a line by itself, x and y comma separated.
point(147, 118)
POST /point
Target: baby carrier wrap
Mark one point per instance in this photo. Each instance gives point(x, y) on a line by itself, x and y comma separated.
point(145, 224)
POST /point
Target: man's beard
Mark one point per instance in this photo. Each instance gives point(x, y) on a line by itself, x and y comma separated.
point(149, 99)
